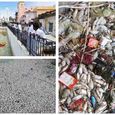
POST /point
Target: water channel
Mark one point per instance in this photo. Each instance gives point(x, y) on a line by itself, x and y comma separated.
point(5, 48)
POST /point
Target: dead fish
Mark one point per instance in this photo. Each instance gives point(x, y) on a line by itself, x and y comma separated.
point(60, 68)
point(88, 93)
point(101, 90)
point(82, 92)
point(85, 70)
point(63, 100)
point(63, 63)
point(74, 35)
point(84, 85)
point(90, 67)
point(64, 68)
point(89, 107)
point(75, 14)
point(67, 60)
point(97, 77)
point(106, 111)
point(101, 108)
point(101, 100)
point(88, 78)
point(85, 106)
point(77, 97)
point(91, 84)
point(81, 16)
point(106, 87)
point(100, 82)
point(79, 87)
point(72, 93)
point(83, 78)
point(99, 94)
point(97, 84)
point(61, 89)
point(80, 71)
point(78, 76)
point(66, 93)
point(91, 73)
point(63, 109)
point(59, 60)
point(69, 100)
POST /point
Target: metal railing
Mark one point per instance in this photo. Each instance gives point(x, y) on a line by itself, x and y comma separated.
point(36, 45)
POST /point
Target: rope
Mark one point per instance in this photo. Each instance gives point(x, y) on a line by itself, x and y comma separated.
point(87, 32)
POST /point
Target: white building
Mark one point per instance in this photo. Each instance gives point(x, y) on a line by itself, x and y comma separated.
point(48, 21)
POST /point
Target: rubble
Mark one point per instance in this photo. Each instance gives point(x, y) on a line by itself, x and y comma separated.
point(87, 57)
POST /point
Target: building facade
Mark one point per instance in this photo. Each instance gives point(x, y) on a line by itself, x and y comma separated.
point(27, 14)
point(48, 20)
point(21, 10)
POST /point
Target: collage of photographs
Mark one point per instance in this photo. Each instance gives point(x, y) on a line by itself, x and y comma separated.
point(57, 57)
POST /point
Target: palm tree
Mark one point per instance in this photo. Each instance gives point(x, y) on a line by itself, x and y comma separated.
point(16, 16)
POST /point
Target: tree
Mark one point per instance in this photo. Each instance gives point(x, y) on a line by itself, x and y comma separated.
point(16, 16)
point(11, 19)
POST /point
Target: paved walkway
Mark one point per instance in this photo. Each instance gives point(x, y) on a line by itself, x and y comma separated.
point(27, 86)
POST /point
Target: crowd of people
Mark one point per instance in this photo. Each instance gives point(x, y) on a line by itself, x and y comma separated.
point(32, 27)
point(36, 28)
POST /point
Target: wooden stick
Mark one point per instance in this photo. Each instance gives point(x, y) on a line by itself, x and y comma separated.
point(82, 7)
point(87, 32)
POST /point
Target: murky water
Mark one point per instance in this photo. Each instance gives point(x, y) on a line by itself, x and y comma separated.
point(5, 48)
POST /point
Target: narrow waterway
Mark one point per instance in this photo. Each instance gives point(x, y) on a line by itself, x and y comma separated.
point(5, 48)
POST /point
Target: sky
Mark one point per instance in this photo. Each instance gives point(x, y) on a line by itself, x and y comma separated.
point(12, 6)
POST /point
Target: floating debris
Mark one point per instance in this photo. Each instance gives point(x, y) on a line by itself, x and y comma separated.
point(86, 57)
point(2, 44)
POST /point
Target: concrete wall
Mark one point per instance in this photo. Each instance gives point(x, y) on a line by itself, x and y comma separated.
point(17, 48)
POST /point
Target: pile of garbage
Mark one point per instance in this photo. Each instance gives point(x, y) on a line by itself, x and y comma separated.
point(87, 57)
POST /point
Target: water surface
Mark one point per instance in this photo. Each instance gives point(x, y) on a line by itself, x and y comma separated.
point(5, 48)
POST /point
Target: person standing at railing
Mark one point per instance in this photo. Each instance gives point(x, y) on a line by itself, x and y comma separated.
point(38, 30)
point(42, 28)
point(15, 26)
point(26, 27)
point(30, 31)
point(20, 27)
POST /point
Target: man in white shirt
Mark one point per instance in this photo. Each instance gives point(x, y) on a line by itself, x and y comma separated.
point(38, 30)
point(31, 29)
point(29, 40)
point(20, 27)
point(40, 33)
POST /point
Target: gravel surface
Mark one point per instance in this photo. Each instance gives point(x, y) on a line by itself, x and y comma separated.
point(27, 86)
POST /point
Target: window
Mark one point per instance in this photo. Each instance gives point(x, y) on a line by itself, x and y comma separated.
point(50, 27)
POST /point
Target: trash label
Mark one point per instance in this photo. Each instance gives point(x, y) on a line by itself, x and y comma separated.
point(68, 80)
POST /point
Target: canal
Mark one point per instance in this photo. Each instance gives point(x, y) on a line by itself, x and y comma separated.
point(5, 48)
